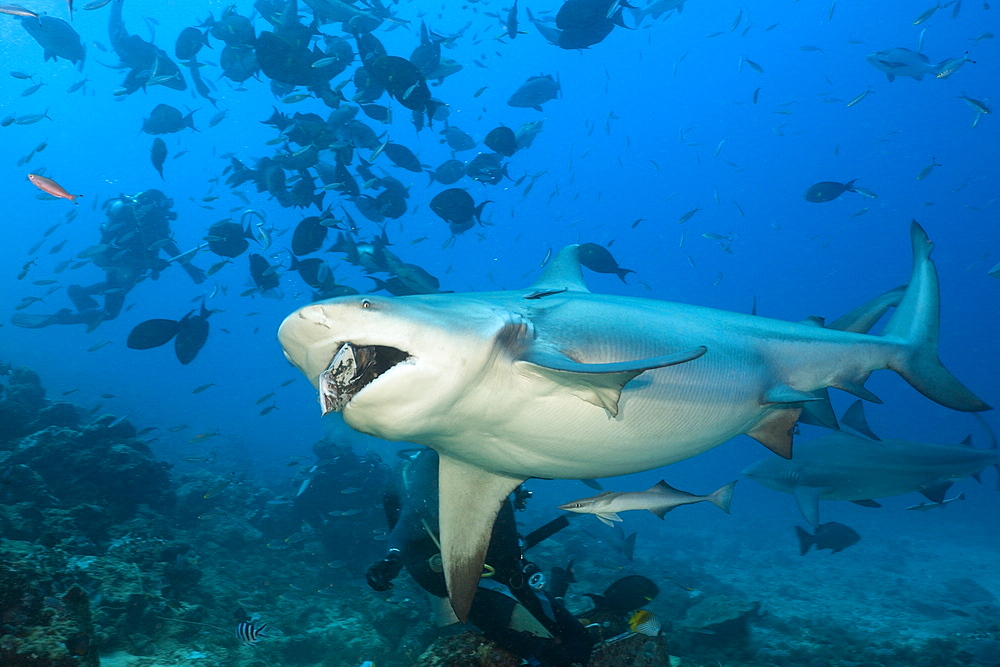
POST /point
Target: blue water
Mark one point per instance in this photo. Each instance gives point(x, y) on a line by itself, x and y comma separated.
point(635, 135)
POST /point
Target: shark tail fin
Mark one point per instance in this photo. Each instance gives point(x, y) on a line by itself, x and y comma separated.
point(805, 541)
point(469, 499)
point(915, 323)
point(723, 496)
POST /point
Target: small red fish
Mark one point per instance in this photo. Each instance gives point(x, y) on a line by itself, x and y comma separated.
point(51, 187)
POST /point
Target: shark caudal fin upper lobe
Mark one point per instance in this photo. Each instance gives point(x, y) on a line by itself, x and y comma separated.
point(915, 323)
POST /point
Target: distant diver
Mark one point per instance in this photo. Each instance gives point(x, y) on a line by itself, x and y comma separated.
point(136, 231)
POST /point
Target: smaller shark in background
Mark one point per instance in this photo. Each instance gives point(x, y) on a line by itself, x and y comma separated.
point(658, 499)
point(900, 61)
point(859, 468)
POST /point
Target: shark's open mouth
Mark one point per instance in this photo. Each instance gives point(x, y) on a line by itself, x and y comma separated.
point(353, 368)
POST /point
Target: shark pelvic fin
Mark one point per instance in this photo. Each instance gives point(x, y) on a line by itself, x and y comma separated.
point(915, 324)
point(785, 394)
point(774, 431)
point(599, 384)
point(563, 272)
point(469, 500)
point(855, 419)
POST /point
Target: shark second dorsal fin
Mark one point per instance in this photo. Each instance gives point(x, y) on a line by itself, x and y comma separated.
point(562, 273)
point(854, 418)
point(468, 499)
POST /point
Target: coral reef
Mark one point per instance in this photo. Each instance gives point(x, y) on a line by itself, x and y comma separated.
point(109, 554)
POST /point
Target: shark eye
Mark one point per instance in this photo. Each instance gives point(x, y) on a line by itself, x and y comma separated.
point(365, 303)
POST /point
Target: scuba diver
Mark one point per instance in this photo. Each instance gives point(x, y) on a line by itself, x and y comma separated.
point(511, 606)
point(136, 230)
point(339, 498)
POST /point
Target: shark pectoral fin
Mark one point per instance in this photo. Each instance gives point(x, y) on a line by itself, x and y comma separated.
point(807, 498)
point(866, 502)
point(774, 431)
point(608, 518)
point(936, 492)
point(819, 412)
point(600, 384)
point(855, 418)
point(469, 499)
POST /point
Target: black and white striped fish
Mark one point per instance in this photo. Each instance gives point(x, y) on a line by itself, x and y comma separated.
point(249, 633)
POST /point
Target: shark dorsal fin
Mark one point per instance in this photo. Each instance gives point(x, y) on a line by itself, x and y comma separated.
point(562, 273)
point(855, 418)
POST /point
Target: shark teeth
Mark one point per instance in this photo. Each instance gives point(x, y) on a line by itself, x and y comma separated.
point(352, 369)
point(343, 369)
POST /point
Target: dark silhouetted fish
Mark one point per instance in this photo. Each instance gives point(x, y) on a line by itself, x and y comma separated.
point(448, 172)
point(309, 236)
point(264, 276)
point(189, 43)
point(189, 334)
point(834, 536)
point(456, 207)
point(501, 140)
point(227, 239)
point(535, 92)
point(457, 139)
point(486, 168)
point(598, 258)
point(402, 156)
point(827, 191)
point(57, 38)
point(587, 22)
point(626, 594)
point(165, 119)
point(560, 580)
point(145, 61)
point(157, 155)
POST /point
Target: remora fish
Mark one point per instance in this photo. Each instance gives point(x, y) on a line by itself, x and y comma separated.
point(538, 387)
point(658, 499)
point(843, 466)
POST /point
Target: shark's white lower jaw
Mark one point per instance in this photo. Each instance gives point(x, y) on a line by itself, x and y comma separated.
point(352, 369)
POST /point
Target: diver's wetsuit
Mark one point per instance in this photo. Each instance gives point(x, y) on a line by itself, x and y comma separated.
point(136, 231)
point(547, 635)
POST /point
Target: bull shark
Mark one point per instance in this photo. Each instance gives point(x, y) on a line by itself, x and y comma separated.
point(900, 61)
point(860, 468)
point(554, 381)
